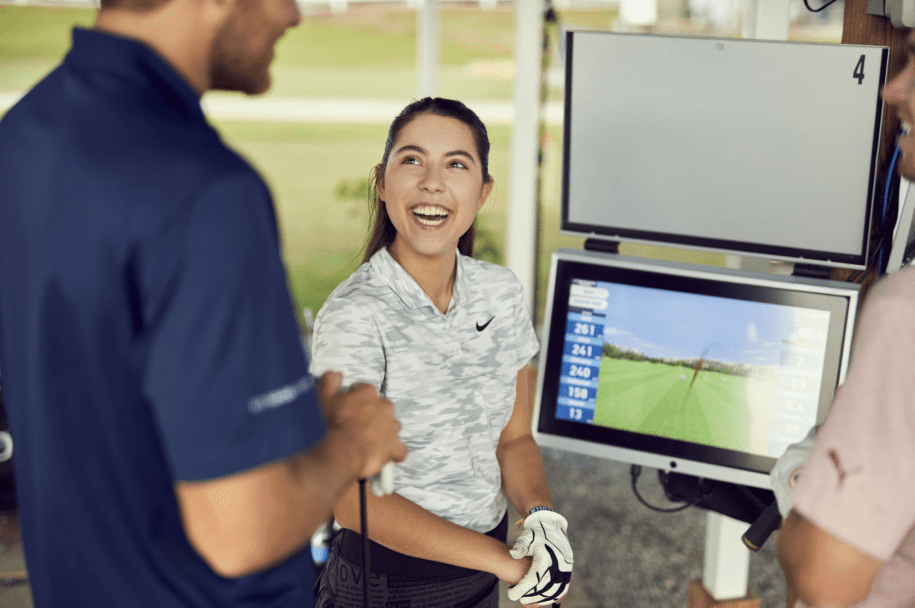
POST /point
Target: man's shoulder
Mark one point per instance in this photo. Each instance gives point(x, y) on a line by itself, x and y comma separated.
point(900, 285)
point(166, 145)
point(890, 303)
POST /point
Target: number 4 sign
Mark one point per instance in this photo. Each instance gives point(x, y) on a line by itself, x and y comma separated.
point(859, 70)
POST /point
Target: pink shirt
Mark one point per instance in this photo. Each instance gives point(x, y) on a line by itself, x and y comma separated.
point(859, 482)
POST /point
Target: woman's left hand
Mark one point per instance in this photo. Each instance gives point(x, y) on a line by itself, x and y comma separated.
point(545, 539)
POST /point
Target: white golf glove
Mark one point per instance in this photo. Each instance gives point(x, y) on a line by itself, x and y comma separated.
point(787, 470)
point(545, 540)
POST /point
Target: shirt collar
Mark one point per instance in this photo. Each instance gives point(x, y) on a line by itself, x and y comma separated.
point(133, 62)
point(409, 290)
point(462, 286)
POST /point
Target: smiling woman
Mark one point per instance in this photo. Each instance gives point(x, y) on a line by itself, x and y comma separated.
point(468, 132)
point(446, 338)
point(428, 191)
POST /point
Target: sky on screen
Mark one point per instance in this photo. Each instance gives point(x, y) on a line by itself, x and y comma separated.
point(667, 324)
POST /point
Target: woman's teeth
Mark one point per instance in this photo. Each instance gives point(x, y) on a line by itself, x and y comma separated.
point(430, 216)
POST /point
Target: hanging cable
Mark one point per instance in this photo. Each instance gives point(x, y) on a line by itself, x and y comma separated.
point(817, 10)
point(885, 236)
point(859, 276)
point(635, 471)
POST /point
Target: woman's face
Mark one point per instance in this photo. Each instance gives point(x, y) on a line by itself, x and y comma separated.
point(432, 187)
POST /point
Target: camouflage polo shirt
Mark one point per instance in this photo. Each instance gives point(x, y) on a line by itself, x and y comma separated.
point(451, 376)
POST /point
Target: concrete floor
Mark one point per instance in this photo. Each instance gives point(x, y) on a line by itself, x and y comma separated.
point(626, 554)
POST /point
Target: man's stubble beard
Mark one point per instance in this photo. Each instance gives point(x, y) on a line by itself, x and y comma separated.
point(231, 69)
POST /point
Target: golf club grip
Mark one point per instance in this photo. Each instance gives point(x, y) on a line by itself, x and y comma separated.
point(755, 536)
point(382, 483)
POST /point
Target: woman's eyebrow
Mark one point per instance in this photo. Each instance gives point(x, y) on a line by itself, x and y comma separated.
point(412, 147)
point(461, 153)
point(421, 150)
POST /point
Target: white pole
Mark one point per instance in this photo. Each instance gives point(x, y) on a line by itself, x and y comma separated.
point(727, 559)
point(427, 48)
point(763, 20)
point(639, 12)
point(767, 20)
point(521, 222)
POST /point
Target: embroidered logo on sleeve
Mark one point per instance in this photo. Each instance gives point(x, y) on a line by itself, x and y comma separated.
point(843, 473)
point(280, 396)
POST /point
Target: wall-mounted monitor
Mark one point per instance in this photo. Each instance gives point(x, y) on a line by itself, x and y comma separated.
point(705, 371)
point(751, 147)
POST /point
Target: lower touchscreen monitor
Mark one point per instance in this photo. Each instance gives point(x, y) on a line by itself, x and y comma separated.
point(688, 364)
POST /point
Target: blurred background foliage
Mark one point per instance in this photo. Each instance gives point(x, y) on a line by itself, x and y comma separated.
point(318, 172)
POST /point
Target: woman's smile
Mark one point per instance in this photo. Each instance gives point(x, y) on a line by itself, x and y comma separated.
point(430, 216)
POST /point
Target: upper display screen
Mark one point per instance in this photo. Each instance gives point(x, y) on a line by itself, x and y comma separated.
point(744, 146)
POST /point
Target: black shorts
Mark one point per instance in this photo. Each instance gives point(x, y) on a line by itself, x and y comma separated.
point(401, 581)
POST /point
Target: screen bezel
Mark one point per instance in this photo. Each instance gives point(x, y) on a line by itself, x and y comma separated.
point(671, 454)
point(604, 229)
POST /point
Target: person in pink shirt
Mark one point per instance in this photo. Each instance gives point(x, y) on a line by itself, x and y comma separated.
point(849, 535)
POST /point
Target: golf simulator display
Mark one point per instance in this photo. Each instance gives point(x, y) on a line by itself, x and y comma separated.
point(703, 370)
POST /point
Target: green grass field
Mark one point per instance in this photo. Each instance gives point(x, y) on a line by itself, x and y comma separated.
point(656, 399)
point(368, 51)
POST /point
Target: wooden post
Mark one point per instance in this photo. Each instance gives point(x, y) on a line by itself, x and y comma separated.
point(861, 28)
point(699, 597)
point(726, 567)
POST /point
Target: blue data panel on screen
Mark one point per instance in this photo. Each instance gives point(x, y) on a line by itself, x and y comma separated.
point(584, 338)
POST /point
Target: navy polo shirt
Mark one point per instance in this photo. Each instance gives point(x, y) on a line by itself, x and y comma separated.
point(147, 335)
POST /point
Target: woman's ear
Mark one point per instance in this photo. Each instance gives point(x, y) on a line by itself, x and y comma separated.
point(379, 181)
point(485, 191)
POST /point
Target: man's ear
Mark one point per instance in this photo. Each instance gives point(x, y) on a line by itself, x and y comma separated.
point(218, 11)
point(485, 192)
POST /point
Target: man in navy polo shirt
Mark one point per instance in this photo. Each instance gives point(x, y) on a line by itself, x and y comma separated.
point(170, 450)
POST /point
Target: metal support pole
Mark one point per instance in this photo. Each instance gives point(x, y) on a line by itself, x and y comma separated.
point(521, 223)
point(427, 49)
point(727, 560)
point(766, 20)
